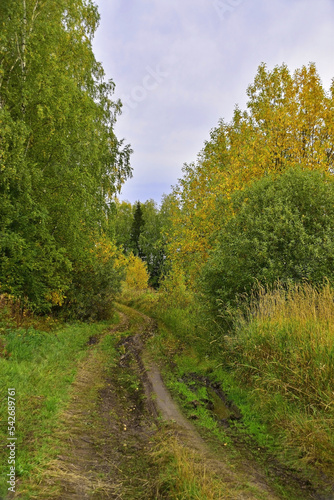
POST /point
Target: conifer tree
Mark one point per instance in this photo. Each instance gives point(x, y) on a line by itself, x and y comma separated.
point(136, 229)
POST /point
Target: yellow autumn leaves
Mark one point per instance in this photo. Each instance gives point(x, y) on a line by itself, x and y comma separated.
point(289, 121)
point(136, 274)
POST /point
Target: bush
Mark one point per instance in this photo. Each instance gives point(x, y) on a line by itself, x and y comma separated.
point(136, 274)
point(95, 283)
point(282, 229)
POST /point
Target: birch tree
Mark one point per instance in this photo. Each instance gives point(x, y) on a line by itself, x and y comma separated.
point(61, 163)
point(289, 121)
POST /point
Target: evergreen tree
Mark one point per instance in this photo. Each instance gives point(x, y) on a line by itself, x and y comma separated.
point(136, 229)
point(141, 229)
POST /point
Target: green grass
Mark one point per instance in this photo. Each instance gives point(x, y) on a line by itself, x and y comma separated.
point(251, 431)
point(41, 367)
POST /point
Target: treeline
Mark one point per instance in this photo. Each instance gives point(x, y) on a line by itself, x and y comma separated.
point(140, 230)
point(60, 161)
point(256, 206)
point(246, 233)
point(236, 181)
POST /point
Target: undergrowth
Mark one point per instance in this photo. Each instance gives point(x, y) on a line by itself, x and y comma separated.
point(284, 353)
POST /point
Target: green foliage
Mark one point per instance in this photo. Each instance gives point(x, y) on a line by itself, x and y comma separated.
point(121, 221)
point(150, 241)
point(93, 289)
point(60, 161)
point(32, 265)
point(288, 121)
point(282, 229)
point(141, 229)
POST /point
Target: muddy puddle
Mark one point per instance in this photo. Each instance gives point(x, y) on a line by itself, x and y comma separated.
point(216, 402)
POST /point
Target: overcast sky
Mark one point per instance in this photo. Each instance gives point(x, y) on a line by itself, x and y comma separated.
point(180, 65)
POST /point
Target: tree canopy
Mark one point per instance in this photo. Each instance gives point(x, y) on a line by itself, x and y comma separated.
point(281, 230)
point(60, 161)
point(288, 121)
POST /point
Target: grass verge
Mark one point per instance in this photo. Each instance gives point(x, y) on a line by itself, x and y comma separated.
point(40, 365)
point(284, 355)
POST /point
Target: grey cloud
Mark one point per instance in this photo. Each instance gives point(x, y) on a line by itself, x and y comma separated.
point(209, 57)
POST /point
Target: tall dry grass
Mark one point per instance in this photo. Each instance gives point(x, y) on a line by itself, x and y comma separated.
point(284, 351)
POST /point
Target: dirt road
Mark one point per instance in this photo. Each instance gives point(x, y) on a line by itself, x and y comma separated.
point(118, 420)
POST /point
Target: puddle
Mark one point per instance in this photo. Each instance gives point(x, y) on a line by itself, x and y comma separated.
point(219, 408)
point(217, 402)
point(92, 340)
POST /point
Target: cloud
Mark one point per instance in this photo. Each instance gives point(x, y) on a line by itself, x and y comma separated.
point(180, 66)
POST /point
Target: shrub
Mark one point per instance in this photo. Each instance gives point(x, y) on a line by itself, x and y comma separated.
point(282, 229)
point(136, 274)
point(96, 282)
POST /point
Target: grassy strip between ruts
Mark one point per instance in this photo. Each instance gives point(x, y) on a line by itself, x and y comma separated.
point(274, 416)
point(40, 366)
